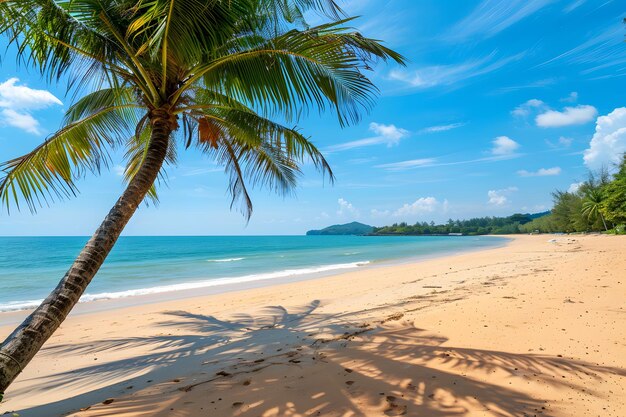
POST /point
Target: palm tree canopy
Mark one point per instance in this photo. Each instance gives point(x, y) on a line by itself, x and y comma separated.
point(592, 201)
point(216, 71)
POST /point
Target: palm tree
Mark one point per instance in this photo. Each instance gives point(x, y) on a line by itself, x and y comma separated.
point(592, 203)
point(202, 74)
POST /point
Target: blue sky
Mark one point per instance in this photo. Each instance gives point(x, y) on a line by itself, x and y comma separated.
point(501, 103)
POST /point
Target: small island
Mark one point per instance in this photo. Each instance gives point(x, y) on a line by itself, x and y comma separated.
point(354, 228)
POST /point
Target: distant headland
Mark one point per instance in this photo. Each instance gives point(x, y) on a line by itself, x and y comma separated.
point(354, 228)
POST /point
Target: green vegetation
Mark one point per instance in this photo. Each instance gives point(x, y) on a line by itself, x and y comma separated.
point(354, 228)
point(477, 226)
point(598, 205)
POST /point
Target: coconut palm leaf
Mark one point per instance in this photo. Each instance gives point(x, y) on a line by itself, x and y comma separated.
point(49, 171)
point(255, 150)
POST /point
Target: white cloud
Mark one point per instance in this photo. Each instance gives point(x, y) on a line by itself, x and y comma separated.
point(499, 197)
point(436, 75)
point(19, 97)
point(18, 101)
point(573, 188)
point(119, 170)
point(609, 142)
point(386, 134)
point(526, 108)
point(569, 116)
point(22, 121)
point(542, 172)
point(442, 128)
point(346, 209)
point(503, 145)
point(391, 133)
point(408, 212)
point(571, 98)
point(496, 198)
point(491, 17)
point(420, 206)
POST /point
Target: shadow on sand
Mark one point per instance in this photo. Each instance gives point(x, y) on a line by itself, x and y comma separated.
point(252, 365)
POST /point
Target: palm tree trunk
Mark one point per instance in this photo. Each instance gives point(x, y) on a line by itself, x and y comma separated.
point(606, 229)
point(26, 340)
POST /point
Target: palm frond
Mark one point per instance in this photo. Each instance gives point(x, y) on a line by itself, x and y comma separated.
point(255, 150)
point(50, 170)
point(299, 70)
point(49, 37)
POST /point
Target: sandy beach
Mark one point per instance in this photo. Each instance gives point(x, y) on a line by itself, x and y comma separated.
point(534, 328)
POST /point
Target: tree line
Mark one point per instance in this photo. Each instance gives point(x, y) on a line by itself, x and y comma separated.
point(597, 205)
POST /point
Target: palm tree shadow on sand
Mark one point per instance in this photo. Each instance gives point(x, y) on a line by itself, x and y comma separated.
point(300, 362)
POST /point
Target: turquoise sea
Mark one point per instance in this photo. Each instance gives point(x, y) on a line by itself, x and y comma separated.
point(31, 266)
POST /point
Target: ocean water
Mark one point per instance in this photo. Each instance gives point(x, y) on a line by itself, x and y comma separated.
point(30, 267)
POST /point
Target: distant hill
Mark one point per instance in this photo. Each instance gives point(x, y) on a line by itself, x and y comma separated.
point(354, 228)
point(538, 215)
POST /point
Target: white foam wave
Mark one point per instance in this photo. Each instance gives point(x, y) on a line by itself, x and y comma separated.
point(24, 305)
point(19, 305)
point(226, 260)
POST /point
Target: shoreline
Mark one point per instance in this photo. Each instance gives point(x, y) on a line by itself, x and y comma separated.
point(533, 327)
point(216, 286)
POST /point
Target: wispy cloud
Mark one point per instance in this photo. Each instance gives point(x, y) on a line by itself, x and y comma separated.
point(389, 135)
point(562, 142)
point(359, 161)
point(574, 5)
point(202, 171)
point(605, 51)
point(409, 164)
point(534, 84)
point(432, 162)
point(441, 128)
point(491, 17)
point(571, 97)
point(542, 172)
point(447, 75)
point(527, 107)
